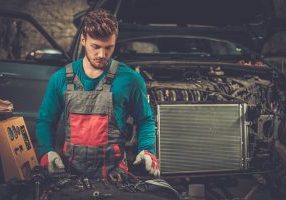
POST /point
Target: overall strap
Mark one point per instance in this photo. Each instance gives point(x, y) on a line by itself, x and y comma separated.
point(107, 80)
point(111, 72)
point(69, 76)
point(72, 79)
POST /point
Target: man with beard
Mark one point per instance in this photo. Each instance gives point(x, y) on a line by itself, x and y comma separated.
point(96, 95)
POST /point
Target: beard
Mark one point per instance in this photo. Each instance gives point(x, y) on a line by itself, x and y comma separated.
point(97, 63)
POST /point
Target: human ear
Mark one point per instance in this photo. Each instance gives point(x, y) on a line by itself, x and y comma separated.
point(82, 40)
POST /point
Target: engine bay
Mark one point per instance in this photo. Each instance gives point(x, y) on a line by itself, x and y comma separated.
point(258, 87)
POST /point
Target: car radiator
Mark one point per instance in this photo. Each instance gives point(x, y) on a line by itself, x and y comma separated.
point(202, 137)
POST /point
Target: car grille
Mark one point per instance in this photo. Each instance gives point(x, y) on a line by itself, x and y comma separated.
point(201, 137)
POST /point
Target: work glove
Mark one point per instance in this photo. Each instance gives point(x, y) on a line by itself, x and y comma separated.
point(151, 162)
point(53, 162)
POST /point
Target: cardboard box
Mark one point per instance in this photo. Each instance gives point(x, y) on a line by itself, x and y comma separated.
point(16, 149)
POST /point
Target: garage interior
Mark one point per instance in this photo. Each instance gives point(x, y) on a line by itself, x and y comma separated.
point(58, 19)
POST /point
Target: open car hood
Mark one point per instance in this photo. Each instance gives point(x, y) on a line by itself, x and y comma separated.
point(249, 23)
point(185, 12)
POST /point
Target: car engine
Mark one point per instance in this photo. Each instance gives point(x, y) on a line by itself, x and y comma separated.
point(253, 93)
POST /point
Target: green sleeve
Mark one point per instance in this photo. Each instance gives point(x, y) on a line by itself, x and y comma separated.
point(143, 116)
point(50, 112)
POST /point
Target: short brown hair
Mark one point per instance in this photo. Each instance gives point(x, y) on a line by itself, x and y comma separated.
point(100, 24)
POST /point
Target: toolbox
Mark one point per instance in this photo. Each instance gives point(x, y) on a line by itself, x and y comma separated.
point(16, 149)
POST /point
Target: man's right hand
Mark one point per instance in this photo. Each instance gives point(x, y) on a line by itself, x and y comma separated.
point(53, 162)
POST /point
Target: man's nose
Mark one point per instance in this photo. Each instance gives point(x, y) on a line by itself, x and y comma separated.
point(101, 53)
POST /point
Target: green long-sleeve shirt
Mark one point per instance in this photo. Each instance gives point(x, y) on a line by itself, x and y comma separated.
point(129, 97)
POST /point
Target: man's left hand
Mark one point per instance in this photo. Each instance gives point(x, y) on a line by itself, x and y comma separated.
point(150, 160)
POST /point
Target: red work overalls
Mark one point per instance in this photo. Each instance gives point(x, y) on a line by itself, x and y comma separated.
point(94, 146)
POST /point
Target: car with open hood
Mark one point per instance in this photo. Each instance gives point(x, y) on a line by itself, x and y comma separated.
point(219, 106)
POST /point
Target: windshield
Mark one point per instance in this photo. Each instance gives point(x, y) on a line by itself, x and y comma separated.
point(18, 37)
point(194, 46)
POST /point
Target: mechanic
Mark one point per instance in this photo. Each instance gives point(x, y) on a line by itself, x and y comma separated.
point(96, 95)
